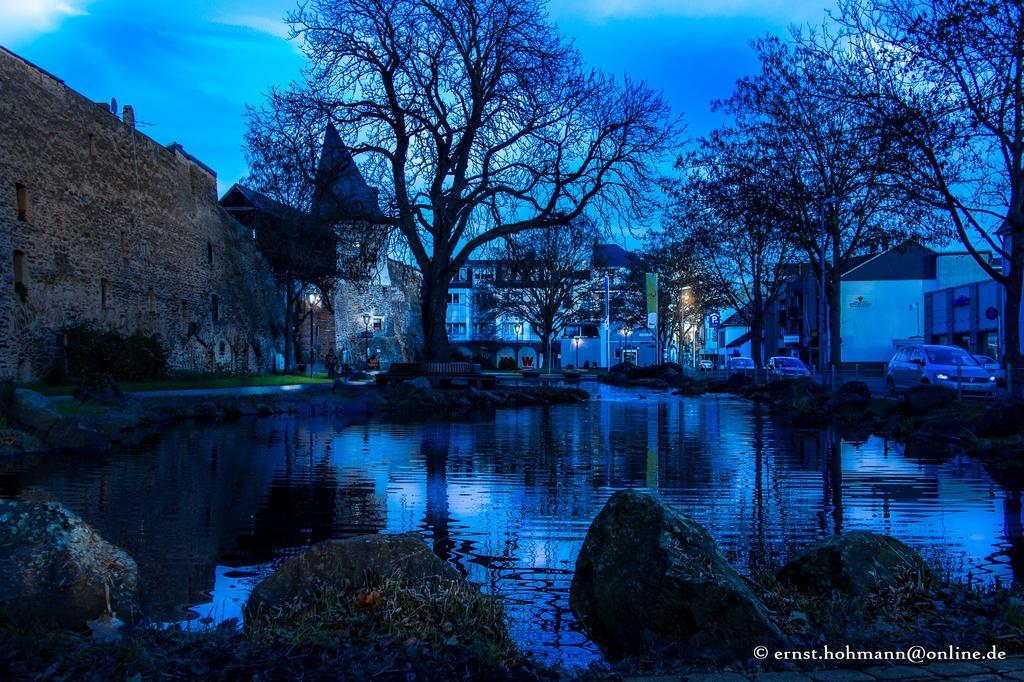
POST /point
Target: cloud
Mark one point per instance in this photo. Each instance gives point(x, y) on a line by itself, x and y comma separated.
point(780, 10)
point(260, 24)
point(22, 20)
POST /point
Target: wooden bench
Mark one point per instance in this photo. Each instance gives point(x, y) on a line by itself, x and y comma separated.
point(439, 374)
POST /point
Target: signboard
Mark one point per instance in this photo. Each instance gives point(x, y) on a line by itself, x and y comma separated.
point(860, 302)
point(714, 319)
point(652, 300)
point(791, 338)
point(991, 313)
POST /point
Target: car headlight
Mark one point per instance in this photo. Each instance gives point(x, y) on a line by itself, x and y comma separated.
point(991, 378)
point(942, 377)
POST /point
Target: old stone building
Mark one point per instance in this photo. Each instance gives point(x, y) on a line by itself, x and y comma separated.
point(100, 223)
point(372, 312)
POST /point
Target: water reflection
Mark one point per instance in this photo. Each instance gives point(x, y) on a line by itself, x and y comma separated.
point(508, 500)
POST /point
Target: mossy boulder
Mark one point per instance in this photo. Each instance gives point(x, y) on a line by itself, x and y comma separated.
point(850, 397)
point(339, 564)
point(54, 568)
point(649, 580)
point(34, 411)
point(1004, 418)
point(854, 563)
point(924, 398)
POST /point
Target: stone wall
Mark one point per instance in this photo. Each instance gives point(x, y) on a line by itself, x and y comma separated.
point(392, 298)
point(98, 222)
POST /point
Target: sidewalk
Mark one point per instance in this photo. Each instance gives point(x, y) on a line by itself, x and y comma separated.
point(1010, 668)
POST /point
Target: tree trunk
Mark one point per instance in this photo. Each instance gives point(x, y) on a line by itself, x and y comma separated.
point(756, 332)
point(545, 340)
point(1011, 327)
point(434, 308)
point(289, 332)
point(835, 339)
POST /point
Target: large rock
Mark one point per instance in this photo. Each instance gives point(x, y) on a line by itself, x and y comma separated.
point(853, 396)
point(56, 569)
point(98, 388)
point(1003, 418)
point(419, 384)
point(77, 434)
point(854, 563)
point(651, 581)
point(34, 411)
point(352, 562)
point(924, 398)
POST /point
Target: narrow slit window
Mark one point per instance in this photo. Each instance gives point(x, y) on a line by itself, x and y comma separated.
point(105, 293)
point(124, 244)
point(22, 192)
point(185, 316)
point(151, 301)
point(19, 273)
point(209, 253)
point(215, 308)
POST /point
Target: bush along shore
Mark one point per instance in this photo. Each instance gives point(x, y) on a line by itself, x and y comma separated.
point(650, 587)
point(924, 416)
point(100, 415)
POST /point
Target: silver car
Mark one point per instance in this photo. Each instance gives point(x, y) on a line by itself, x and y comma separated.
point(783, 366)
point(948, 366)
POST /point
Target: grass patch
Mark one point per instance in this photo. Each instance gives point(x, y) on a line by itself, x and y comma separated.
point(179, 384)
point(425, 630)
point(74, 408)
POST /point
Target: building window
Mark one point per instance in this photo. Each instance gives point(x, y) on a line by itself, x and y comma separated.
point(378, 324)
point(185, 315)
point(151, 299)
point(20, 287)
point(454, 298)
point(124, 244)
point(22, 192)
point(104, 293)
point(456, 328)
point(209, 253)
point(215, 308)
point(223, 348)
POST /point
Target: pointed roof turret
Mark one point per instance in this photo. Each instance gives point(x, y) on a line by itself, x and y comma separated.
point(342, 190)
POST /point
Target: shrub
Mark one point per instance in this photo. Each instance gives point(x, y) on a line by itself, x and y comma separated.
point(92, 350)
point(507, 362)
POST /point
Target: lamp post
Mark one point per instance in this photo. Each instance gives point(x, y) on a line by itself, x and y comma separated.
point(576, 341)
point(312, 353)
point(366, 337)
point(823, 332)
point(625, 331)
point(518, 327)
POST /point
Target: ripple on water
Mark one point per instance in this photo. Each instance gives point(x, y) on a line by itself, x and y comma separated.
point(209, 510)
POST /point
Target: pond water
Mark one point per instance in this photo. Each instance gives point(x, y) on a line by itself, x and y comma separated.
point(207, 510)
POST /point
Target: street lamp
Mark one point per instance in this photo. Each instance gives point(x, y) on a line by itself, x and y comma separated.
point(822, 310)
point(312, 353)
point(576, 341)
point(625, 335)
point(518, 327)
point(366, 337)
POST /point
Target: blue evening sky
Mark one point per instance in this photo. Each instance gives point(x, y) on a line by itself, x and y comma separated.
point(189, 67)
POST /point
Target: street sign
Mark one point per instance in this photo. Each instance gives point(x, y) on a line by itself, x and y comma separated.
point(714, 319)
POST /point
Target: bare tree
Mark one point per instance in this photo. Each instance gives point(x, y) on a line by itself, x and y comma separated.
point(479, 121)
point(945, 78)
point(725, 212)
point(827, 162)
point(544, 277)
point(311, 231)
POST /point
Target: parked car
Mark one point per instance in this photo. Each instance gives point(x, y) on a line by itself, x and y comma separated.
point(993, 368)
point(783, 366)
point(706, 364)
point(740, 365)
point(949, 366)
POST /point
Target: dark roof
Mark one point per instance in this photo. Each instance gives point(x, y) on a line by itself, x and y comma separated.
point(241, 199)
point(739, 340)
point(348, 189)
point(177, 148)
point(610, 256)
point(907, 261)
point(735, 320)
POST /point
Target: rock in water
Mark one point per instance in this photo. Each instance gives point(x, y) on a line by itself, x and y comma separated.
point(354, 562)
point(651, 581)
point(854, 563)
point(34, 411)
point(54, 568)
